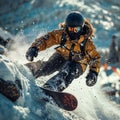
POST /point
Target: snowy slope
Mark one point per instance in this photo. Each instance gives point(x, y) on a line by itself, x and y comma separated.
point(38, 18)
point(93, 105)
point(27, 107)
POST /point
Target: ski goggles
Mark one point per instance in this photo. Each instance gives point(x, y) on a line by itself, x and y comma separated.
point(74, 29)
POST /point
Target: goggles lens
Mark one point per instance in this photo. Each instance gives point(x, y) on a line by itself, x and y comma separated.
point(74, 29)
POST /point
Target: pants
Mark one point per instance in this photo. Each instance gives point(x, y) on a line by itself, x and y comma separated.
point(55, 63)
point(65, 75)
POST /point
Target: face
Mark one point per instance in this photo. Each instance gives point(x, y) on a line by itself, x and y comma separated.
point(74, 29)
point(74, 32)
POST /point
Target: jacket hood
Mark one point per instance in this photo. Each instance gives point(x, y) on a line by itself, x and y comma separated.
point(88, 29)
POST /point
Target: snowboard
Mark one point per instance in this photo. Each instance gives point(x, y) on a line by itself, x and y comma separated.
point(64, 100)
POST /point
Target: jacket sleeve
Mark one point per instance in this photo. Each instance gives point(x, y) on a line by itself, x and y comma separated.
point(48, 40)
point(93, 56)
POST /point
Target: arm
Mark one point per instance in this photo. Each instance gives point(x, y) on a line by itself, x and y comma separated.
point(48, 40)
point(93, 56)
point(94, 63)
point(42, 43)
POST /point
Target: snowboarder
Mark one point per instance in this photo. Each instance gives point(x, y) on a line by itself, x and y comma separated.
point(75, 51)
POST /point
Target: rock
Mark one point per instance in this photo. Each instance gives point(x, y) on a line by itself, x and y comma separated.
point(2, 50)
point(3, 42)
point(9, 89)
point(6, 39)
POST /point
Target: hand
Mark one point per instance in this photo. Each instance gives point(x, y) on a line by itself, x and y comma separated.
point(31, 53)
point(91, 78)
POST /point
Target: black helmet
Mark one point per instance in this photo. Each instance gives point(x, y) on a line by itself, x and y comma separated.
point(74, 19)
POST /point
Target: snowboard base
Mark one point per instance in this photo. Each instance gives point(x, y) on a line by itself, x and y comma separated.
point(64, 100)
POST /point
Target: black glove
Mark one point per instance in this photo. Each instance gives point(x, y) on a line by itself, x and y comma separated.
point(31, 53)
point(91, 78)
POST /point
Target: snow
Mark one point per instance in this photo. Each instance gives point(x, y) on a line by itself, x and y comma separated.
point(4, 34)
point(93, 103)
point(27, 107)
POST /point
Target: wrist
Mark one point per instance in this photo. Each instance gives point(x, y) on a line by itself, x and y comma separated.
point(92, 71)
